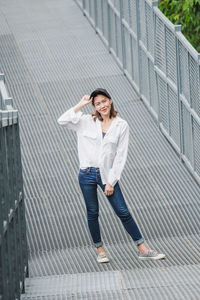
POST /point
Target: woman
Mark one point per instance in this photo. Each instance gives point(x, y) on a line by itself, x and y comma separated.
point(102, 148)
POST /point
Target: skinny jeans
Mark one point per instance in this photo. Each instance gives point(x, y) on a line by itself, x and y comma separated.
point(88, 179)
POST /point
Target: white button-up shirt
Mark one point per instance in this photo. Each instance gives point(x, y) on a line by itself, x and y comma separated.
point(108, 153)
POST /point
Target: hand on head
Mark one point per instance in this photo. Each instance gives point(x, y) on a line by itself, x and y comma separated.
point(85, 100)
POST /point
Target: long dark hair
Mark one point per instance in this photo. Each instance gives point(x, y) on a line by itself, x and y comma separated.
point(96, 114)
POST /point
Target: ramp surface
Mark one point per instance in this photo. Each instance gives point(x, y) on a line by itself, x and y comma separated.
point(51, 57)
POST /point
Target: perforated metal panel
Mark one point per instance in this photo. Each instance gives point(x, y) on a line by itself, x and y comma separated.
point(144, 74)
point(196, 128)
point(153, 88)
point(128, 51)
point(160, 59)
point(194, 70)
point(149, 29)
point(174, 129)
point(100, 15)
point(143, 33)
point(106, 20)
point(187, 134)
point(163, 99)
point(184, 74)
point(126, 11)
point(171, 57)
point(133, 19)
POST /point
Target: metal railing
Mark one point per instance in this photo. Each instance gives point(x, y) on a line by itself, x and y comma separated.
point(13, 243)
point(160, 63)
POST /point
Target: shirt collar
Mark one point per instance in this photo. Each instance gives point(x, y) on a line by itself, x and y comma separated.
point(114, 123)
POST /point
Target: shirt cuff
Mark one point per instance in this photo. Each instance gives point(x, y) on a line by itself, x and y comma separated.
point(112, 181)
point(70, 116)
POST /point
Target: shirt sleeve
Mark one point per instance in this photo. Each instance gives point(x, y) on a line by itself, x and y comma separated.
point(71, 119)
point(121, 156)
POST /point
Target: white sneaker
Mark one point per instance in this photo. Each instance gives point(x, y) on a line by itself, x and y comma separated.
point(152, 254)
point(102, 258)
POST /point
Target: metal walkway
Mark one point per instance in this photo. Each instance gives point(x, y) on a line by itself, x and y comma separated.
point(51, 57)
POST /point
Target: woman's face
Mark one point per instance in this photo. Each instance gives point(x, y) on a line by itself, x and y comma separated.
point(102, 104)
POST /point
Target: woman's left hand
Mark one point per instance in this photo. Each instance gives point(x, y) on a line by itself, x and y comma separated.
point(109, 189)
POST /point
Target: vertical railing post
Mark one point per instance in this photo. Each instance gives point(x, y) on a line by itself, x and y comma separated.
point(178, 75)
point(122, 35)
point(95, 15)
point(102, 21)
point(154, 5)
point(109, 27)
point(154, 50)
point(138, 43)
point(83, 3)
point(22, 210)
point(90, 11)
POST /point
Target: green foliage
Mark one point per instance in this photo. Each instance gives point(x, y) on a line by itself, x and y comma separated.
point(186, 13)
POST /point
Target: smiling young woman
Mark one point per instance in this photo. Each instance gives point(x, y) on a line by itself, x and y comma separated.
point(102, 101)
point(103, 139)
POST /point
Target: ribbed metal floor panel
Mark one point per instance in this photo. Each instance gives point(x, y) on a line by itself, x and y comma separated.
point(51, 57)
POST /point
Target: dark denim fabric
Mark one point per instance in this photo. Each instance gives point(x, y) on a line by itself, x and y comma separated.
point(88, 180)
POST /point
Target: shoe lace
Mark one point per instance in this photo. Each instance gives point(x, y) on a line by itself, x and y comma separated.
point(154, 252)
point(102, 254)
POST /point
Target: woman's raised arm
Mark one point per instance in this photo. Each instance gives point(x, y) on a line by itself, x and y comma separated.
point(72, 117)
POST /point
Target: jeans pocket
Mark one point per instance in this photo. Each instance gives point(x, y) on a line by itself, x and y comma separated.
point(84, 171)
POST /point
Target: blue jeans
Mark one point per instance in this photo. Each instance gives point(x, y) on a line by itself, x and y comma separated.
point(88, 180)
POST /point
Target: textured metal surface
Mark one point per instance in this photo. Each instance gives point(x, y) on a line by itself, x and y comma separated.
point(59, 58)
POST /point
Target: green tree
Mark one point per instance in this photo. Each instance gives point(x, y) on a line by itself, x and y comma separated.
point(186, 13)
